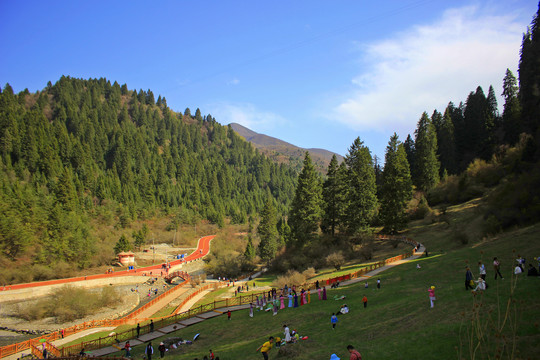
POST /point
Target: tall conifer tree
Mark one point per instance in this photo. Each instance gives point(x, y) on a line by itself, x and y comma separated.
point(427, 164)
point(305, 213)
point(362, 192)
point(334, 192)
point(267, 231)
point(396, 186)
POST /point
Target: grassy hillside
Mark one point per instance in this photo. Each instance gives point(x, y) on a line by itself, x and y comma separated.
point(398, 322)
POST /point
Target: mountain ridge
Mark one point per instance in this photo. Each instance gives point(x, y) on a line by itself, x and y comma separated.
point(278, 149)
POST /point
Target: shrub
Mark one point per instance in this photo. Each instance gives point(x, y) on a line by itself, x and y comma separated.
point(491, 225)
point(309, 273)
point(42, 272)
point(335, 259)
point(292, 277)
point(461, 236)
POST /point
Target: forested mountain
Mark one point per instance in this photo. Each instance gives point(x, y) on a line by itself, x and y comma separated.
point(283, 152)
point(80, 148)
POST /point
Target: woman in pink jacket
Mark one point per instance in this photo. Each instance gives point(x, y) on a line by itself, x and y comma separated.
point(431, 292)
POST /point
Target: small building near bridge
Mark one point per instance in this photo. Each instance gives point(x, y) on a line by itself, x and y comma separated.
point(126, 258)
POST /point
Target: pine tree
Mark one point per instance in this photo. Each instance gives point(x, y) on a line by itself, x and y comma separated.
point(396, 186)
point(334, 192)
point(446, 149)
point(529, 77)
point(122, 245)
point(267, 231)
point(511, 119)
point(305, 212)
point(427, 164)
point(249, 253)
point(410, 150)
point(362, 198)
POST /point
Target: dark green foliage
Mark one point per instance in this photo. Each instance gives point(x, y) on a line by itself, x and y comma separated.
point(511, 118)
point(334, 197)
point(529, 77)
point(446, 149)
point(122, 245)
point(249, 253)
point(396, 188)
point(362, 198)
point(306, 211)
point(426, 162)
point(267, 231)
point(79, 145)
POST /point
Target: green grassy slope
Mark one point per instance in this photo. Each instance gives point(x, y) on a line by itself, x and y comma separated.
point(398, 323)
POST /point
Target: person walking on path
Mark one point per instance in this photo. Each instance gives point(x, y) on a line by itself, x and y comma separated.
point(482, 270)
point(431, 292)
point(468, 279)
point(161, 349)
point(138, 329)
point(355, 355)
point(497, 267)
point(287, 333)
point(364, 300)
point(149, 351)
point(265, 348)
point(333, 321)
point(127, 347)
point(229, 314)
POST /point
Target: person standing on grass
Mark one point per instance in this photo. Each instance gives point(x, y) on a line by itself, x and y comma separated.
point(265, 348)
point(497, 267)
point(161, 349)
point(355, 355)
point(229, 314)
point(324, 293)
point(482, 270)
point(333, 321)
point(250, 309)
point(468, 279)
point(211, 355)
point(431, 292)
point(364, 300)
point(378, 283)
point(149, 351)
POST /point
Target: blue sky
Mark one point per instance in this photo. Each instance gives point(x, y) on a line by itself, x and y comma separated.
point(313, 73)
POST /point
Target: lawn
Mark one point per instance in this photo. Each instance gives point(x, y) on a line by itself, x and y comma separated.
point(398, 322)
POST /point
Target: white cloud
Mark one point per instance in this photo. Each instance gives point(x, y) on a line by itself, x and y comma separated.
point(427, 66)
point(245, 114)
point(234, 81)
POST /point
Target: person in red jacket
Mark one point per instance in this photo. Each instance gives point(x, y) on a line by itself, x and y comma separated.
point(355, 355)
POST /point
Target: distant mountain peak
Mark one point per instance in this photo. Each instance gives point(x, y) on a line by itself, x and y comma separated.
point(284, 152)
